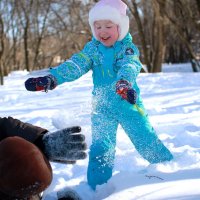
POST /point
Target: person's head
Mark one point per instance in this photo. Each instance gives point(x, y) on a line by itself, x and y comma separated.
point(106, 32)
point(24, 170)
point(108, 21)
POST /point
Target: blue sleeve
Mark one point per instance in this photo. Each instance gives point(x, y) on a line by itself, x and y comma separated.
point(73, 68)
point(130, 64)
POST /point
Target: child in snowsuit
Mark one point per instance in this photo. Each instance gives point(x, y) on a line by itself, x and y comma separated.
point(114, 61)
point(25, 152)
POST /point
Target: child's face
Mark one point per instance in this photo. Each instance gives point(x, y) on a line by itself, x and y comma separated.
point(106, 32)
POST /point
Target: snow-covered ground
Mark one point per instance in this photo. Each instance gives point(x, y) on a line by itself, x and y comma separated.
point(173, 103)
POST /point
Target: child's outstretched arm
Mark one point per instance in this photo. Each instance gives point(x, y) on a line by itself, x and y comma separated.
point(70, 70)
point(73, 68)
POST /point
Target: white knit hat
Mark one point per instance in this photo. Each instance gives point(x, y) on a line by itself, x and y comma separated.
point(113, 10)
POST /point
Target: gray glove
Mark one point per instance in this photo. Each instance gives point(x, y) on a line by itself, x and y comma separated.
point(65, 146)
point(68, 193)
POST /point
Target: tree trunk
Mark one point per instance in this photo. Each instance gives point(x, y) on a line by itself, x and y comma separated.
point(134, 11)
point(1, 49)
point(158, 39)
point(1, 74)
point(40, 36)
point(198, 5)
point(26, 31)
point(26, 51)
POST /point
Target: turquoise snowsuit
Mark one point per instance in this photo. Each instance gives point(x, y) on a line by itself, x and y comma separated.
point(110, 64)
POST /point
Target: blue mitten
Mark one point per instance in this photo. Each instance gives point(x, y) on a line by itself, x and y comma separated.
point(124, 89)
point(44, 83)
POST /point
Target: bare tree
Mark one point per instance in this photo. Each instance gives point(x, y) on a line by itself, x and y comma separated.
point(183, 21)
point(41, 22)
point(24, 8)
point(1, 48)
point(151, 27)
point(134, 10)
point(198, 5)
point(42, 33)
point(158, 37)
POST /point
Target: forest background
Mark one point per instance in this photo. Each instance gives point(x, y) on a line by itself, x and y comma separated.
point(36, 34)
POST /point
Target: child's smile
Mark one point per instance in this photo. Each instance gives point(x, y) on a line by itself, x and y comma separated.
point(105, 39)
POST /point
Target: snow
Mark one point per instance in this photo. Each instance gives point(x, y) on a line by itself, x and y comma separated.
point(172, 99)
